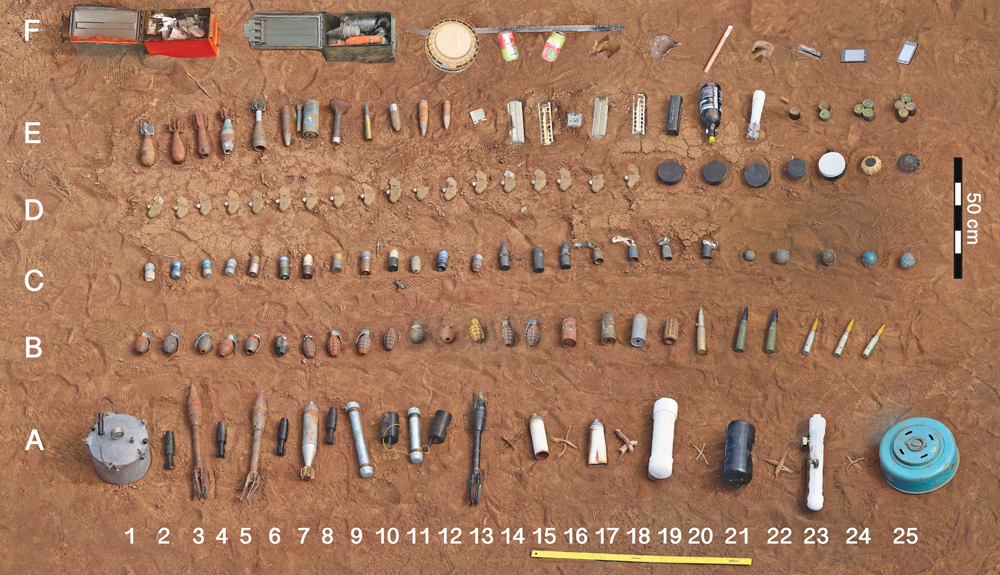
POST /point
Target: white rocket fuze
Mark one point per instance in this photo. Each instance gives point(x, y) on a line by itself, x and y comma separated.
point(817, 432)
point(661, 457)
point(310, 432)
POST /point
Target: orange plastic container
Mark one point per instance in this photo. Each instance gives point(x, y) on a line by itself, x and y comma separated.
point(116, 25)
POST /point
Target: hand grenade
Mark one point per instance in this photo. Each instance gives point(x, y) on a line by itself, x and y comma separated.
point(308, 346)
point(364, 342)
point(251, 344)
point(334, 345)
point(532, 334)
point(389, 339)
point(476, 331)
point(228, 345)
point(507, 333)
point(281, 344)
point(204, 343)
point(170, 343)
point(142, 343)
point(417, 332)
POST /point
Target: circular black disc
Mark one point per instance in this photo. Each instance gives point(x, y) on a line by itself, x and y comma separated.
point(715, 172)
point(871, 161)
point(797, 168)
point(909, 163)
point(757, 175)
point(670, 173)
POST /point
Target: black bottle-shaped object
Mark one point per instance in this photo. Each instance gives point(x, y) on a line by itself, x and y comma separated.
point(710, 108)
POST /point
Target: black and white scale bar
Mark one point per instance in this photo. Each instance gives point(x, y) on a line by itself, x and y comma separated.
point(958, 219)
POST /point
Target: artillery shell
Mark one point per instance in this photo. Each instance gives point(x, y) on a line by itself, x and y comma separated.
point(308, 346)
point(639, 323)
point(230, 270)
point(307, 267)
point(439, 428)
point(446, 114)
point(447, 334)
point(415, 264)
point(442, 261)
point(142, 343)
point(532, 334)
point(364, 342)
point(286, 124)
point(538, 260)
point(397, 124)
point(334, 345)
point(338, 264)
point(423, 117)
point(175, 270)
point(171, 342)
point(608, 336)
point(564, 256)
point(598, 256)
point(504, 255)
point(206, 268)
point(251, 344)
point(149, 273)
point(281, 344)
point(389, 339)
point(284, 269)
point(633, 253)
point(477, 263)
point(569, 332)
point(228, 345)
point(394, 260)
point(204, 343)
point(366, 263)
point(417, 332)
point(476, 331)
point(670, 331)
point(254, 268)
point(507, 333)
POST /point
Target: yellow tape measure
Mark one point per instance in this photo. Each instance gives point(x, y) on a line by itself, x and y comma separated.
point(641, 558)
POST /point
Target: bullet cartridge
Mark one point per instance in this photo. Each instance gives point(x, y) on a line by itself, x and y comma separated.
point(810, 338)
point(394, 260)
point(284, 270)
point(772, 334)
point(700, 335)
point(871, 344)
point(741, 335)
point(843, 340)
point(337, 265)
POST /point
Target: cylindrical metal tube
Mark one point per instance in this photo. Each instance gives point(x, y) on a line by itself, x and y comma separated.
point(666, 254)
point(598, 256)
point(633, 253)
point(390, 429)
point(394, 260)
point(608, 336)
point(706, 250)
point(284, 269)
point(504, 257)
point(254, 268)
point(841, 344)
point(809, 342)
point(564, 256)
point(310, 119)
point(442, 261)
point(282, 436)
point(169, 449)
point(741, 337)
point(439, 427)
point(206, 268)
point(538, 260)
point(175, 270)
point(539, 441)
point(701, 337)
point(477, 263)
point(671, 329)
point(639, 323)
point(149, 272)
point(661, 456)
point(220, 440)
point(354, 412)
point(307, 267)
point(569, 332)
point(738, 469)
point(870, 347)
point(230, 270)
point(337, 265)
point(415, 264)
point(416, 449)
point(598, 454)
point(366, 263)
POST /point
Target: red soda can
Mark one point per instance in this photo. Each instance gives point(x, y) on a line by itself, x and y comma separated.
point(508, 46)
point(552, 46)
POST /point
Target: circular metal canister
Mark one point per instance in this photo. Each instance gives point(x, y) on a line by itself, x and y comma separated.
point(284, 270)
point(310, 119)
point(254, 269)
point(538, 260)
point(608, 336)
point(366, 263)
point(394, 260)
point(307, 267)
point(337, 265)
point(569, 332)
point(508, 45)
point(670, 331)
point(639, 323)
point(738, 469)
point(539, 441)
point(477, 263)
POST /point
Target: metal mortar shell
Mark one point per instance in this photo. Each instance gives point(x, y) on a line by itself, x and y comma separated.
point(394, 260)
point(310, 119)
point(598, 454)
point(639, 323)
point(397, 123)
point(442, 261)
point(670, 331)
point(365, 465)
point(254, 269)
point(366, 263)
point(307, 267)
point(149, 273)
point(538, 260)
point(416, 449)
point(206, 268)
point(598, 256)
point(608, 336)
point(539, 441)
point(337, 265)
point(477, 263)
point(175, 270)
point(230, 270)
point(569, 332)
point(415, 264)
point(633, 253)
point(286, 125)
point(284, 270)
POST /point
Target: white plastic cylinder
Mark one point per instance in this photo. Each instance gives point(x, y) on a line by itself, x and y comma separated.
point(598, 447)
point(817, 432)
point(661, 457)
point(757, 107)
point(539, 442)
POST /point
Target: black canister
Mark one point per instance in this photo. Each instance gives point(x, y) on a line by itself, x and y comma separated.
point(674, 115)
point(390, 428)
point(439, 427)
point(710, 108)
point(738, 470)
point(538, 260)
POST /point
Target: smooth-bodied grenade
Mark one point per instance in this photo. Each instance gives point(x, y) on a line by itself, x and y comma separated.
point(442, 261)
point(149, 273)
point(284, 269)
point(175, 270)
point(206, 268)
point(230, 270)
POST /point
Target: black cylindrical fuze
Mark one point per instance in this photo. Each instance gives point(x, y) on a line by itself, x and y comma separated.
point(538, 260)
point(738, 470)
point(331, 426)
point(439, 427)
point(168, 450)
point(282, 436)
point(220, 440)
point(390, 428)
point(674, 115)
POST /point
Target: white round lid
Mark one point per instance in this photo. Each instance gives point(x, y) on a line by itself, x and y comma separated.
point(832, 165)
